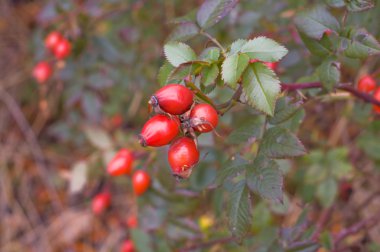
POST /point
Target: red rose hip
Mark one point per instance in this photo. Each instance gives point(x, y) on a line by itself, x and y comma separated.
point(203, 118)
point(121, 163)
point(183, 155)
point(42, 72)
point(127, 246)
point(101, 202)
point(141, 182)
point(132, 221)
point(366, 84)
point(159, 130)
point(174, 99)
point(376, 95)
point(62, 49)
point(52, 39)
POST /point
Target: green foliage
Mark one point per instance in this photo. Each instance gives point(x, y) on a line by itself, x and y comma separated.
point(264, 49)
point(212, 11)
point(261, 87)
point(178, 53)
point(233, 67)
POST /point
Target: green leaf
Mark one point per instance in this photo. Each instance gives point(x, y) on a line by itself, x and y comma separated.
point(240, 210)
point(231, 167)
point(210, 54)
point(185, 69)
point(261, 87)
point(316, 21)
point(164, 73)
point(359, 44)
point(212, 11)
point(209, 75)
point(284, 110)
point(178, 53)
point(141, 240)
point(265, 178)
point(359, 5)
point(264, 49)
point(183, 32)
point(236, 46)
point(329, 73)
point(369, 143)
point(233, 67)
point(281, 143)
point(252, 127)
point(321, 47)
point(327, 192)
point(98, 137)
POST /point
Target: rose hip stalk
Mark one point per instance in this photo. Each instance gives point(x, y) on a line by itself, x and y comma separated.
point(174, 99)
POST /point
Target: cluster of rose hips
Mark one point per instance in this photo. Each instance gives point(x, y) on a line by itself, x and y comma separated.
point(178, 120)
point(122, 164)
point(60, 47)
point(367, 84)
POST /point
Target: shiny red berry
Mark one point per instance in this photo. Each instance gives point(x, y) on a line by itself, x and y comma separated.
point(141, 182)
point(174, 99)
point(121, 163)
point(183, 155)
point(159, 130)
point(366, 84)
point(101, 202)
point(62, 49)
point(52, 39)
point(127, 246)
point(204, 118)
point(42, 72)
point(328, 32)
point(376, 95)
point(132, 221)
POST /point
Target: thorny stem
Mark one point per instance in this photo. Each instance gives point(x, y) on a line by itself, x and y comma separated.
point(199, 93)
point(343, 86)
point(214, 41)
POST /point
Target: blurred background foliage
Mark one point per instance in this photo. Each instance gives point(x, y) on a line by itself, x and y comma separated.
point(96, 103)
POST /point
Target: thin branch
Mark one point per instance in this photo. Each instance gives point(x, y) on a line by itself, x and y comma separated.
point(224, 107)
point(214, 41)
point(35, 148)
point(207, 244)
point(364, 224)
point(322, 221)
point(345, 87)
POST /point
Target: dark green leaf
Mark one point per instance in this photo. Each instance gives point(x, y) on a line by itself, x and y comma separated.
point(240, 210)
point(183, 32)
point(314, 22)
point(359, 44)
point(141, 240)
point(209, 75)
point(284, 110)
point(329, 73)
point(261, 87)
point(359, 5)
point(321, 47)
point(233, 67)
point(212, 11)
point(281, 143)
point(186, 69)
point(265, 178)
point(231, 167)
point(252, 127)
point(164, 73)
point(327, 192)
